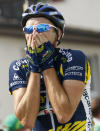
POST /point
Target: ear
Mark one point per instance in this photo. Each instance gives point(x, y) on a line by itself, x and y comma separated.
point(59, 34)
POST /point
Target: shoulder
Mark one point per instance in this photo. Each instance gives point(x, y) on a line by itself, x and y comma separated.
point(18, 74)
point(18, 64)
point(19, 68)
point(72, 55)
point(75, 65)
point(70, 52)
point(77, 53)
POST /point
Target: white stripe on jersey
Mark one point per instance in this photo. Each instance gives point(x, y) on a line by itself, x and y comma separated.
point(86, 99)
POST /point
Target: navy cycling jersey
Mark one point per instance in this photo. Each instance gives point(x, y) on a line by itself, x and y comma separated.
point(69, 65)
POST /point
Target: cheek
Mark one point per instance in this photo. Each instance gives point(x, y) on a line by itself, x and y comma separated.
point(51, 36)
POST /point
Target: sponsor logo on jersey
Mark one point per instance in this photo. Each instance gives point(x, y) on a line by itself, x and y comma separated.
point(67, 54)
point(19, 63)
point(17, 83)
point(24, 66)
point(16, 77)
point(89, 118)
point(15, 67)
point(73, 74)
point(75, 68)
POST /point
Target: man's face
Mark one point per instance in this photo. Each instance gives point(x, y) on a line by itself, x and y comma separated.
point(49, 35)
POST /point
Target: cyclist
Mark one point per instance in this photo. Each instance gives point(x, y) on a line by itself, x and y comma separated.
point(51, 86)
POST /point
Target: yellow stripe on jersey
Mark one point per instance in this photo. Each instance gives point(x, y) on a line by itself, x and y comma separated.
point(10, 93)
point(83, 123)
point(59, 128)
point(61, 70)
point(83, 128)
point(66, 128)
point(87, 71)
point(76, 126)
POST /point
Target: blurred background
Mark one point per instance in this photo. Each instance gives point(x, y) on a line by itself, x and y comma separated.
point(82, 31)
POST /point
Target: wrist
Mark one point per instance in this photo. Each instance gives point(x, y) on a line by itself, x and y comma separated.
point(45, 68)
point(33, 68)
point(37, 75)
point(49, 71)
point(35, 72)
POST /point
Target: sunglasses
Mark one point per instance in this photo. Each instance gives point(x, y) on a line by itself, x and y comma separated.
point(39, 28)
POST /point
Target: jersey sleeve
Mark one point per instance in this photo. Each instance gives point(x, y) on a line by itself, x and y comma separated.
point(17, 76)
point(76, 68)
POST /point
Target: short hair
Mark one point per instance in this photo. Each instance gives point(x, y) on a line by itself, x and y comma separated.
point(95, 106)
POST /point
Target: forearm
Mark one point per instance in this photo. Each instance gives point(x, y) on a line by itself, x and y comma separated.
point(28, 107)
point(58, 98)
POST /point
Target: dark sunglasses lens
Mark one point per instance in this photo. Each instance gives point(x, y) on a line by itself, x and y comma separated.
point(42, 27)
point(28, 29)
